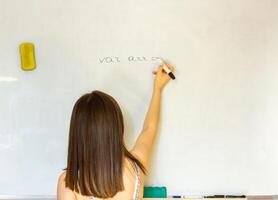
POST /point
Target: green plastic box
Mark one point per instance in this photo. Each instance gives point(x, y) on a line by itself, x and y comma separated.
point(155, 192)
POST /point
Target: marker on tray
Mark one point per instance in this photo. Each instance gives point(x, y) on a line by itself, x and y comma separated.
point(185, 197)
point(226, 196)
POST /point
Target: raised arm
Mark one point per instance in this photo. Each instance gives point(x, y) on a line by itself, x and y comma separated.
point(143, 146)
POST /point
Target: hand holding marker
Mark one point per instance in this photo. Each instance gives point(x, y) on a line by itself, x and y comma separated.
point(166, 68)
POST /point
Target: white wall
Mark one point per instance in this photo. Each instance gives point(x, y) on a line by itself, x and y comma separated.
point(219, 125)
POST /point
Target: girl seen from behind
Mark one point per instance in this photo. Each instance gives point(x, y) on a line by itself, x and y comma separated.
point(99, 166)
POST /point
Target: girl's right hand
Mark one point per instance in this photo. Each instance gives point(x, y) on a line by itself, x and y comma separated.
point(162, 78)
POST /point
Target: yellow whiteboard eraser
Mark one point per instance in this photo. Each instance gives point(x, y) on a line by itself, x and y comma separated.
point(27, 55)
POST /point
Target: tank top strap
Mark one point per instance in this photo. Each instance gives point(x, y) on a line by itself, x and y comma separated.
point(137, 183)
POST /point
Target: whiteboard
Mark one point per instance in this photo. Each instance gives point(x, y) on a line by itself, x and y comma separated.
point(218, 128)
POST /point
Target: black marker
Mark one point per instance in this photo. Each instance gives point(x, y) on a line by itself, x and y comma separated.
point(226, 196)
point(215, 196)
point(235, 196)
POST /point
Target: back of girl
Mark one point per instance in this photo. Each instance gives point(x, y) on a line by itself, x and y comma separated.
point(99, 166)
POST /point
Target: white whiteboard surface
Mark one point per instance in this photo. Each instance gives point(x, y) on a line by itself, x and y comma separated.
point(218, 130)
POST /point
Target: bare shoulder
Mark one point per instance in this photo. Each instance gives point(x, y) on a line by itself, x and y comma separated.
point(62, 176)
point(61, 180)
point(64, 192)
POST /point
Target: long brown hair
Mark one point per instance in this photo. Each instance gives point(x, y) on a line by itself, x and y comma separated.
point(96, 147)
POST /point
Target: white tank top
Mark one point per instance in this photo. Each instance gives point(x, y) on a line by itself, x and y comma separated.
point(136, 185)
